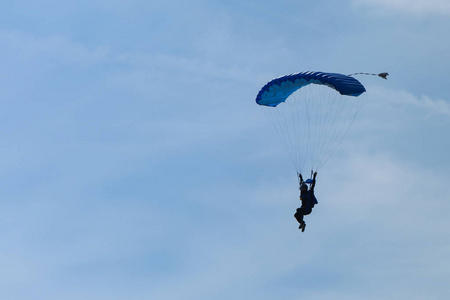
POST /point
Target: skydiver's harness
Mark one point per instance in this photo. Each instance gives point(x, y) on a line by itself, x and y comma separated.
point(311, 198)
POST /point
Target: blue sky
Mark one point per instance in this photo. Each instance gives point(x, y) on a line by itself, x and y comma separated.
point(136, 164)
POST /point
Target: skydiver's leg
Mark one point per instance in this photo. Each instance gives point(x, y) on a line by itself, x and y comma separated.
point(299, 217)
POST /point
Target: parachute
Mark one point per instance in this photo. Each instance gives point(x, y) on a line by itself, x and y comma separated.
point(312, 112)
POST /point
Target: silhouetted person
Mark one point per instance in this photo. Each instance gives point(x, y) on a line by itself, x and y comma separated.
point(307, 198)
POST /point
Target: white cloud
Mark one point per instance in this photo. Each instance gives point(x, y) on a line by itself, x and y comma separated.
point(401, 98)
point(417, 7)
point(379, 224)
point(57, 49)
point(370, 219)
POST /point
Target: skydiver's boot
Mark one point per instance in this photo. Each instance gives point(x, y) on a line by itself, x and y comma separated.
point(302, 226)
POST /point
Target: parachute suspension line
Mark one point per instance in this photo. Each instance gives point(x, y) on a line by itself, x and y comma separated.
point(305, 99)
point(382, 75)
point(325, 125)
point(308, 142)
point(325, 128)
point(298, 132)
point(359, 107)
point(294, 115)
point(334, 130)
point(334, 115)
point(303, 131)
point(284, 118)
point(321, 122)
point(312, 114)
point(275, 116)
point(308, 147)
point(287, 137)
point(318, 125)
point(300, 113)
point(316, 119)
point(296, 129)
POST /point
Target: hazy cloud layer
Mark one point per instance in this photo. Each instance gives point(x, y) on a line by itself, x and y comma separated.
point(136, 164)
point(415, 7)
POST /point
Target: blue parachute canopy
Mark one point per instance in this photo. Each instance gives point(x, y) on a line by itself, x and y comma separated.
point(279, 89)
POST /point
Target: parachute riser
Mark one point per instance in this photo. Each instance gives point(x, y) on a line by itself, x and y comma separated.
point(309, 181)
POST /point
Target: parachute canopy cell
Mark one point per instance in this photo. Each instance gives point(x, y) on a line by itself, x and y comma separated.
point(279, 89)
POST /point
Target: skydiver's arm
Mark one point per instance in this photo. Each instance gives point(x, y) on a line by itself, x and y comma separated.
point(314, 181)
point(301, 178)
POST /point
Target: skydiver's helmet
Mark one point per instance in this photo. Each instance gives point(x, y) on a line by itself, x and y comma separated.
point(303, 187)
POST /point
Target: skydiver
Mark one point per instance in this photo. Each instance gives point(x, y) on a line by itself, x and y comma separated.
point(307, 198)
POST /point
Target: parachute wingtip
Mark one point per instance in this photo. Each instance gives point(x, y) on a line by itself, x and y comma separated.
point(383, 75)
